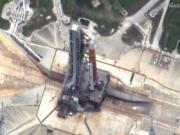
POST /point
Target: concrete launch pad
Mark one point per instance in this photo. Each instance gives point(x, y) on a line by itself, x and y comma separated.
point(143, 91)
point(38, 115)
point(17, 71)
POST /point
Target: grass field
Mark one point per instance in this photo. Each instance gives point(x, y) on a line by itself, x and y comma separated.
point(42, 9)
point(132, 6)
point(106, 19)
point(171, 33)
point(105, 15)
point(4, 24)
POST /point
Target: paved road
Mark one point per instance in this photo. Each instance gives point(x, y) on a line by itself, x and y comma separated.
point(160, 28)
point(157, 9)
point(116, 38)
point(139, 16)
point(136, 18)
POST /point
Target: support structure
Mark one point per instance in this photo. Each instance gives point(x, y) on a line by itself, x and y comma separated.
point(84, 86)
point(92, 59)
point(18, 14)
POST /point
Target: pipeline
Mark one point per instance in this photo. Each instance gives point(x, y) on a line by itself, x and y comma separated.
point(27, 49)
point(92, 59)
point(124, 96)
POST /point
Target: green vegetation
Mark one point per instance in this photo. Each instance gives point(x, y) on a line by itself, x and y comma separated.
point(106, 15)
point(4, 24)
point(171, 33)
point(132, 35)
point(132, 6)
point(42, 9)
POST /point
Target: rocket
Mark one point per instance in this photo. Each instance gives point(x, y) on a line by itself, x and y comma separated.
point(92, 64)
point(92, 59)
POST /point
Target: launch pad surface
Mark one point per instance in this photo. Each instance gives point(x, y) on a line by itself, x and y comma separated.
point(114, 117)
point(104, 64)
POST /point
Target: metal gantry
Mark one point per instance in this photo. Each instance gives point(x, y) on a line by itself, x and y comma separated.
point(72, 82)
point(60, 15)
point(76, 47)
point(18, 14)
point(82, 90)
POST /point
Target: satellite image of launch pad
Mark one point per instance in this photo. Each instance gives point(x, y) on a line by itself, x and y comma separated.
point(89, 67)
